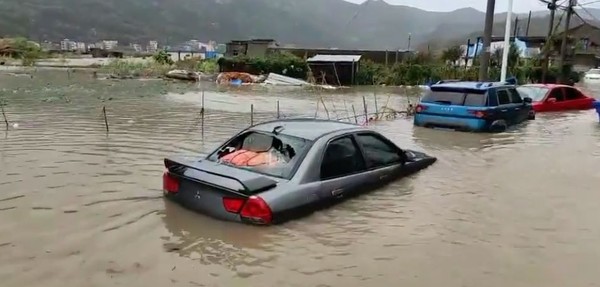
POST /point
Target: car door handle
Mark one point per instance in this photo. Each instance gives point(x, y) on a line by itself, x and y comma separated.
point(382, 177)
point(504, 110)
point(517, 109)
point(337, 191)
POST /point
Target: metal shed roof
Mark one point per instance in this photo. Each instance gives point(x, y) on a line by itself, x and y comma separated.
point(334, 58)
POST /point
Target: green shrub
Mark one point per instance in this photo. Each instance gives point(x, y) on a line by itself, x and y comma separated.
point(280, 63)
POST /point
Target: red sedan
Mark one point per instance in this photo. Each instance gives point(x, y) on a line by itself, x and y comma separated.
point(554, 97)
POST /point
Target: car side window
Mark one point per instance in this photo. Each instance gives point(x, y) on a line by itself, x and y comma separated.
point(557, 94)
point(378, 152)
point(515, 97)
point(572, 94)
point(342, 157)
point(492, 99)
point(503, 97)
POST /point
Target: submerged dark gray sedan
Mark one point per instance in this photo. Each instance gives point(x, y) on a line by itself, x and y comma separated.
point(278, 170)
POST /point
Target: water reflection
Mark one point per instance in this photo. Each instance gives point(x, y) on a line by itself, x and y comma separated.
point(213, 242)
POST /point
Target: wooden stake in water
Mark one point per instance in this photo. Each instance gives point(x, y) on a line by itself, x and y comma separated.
point(325, 107)
point(346, 108)
point(105, 118)
point(366, 111)
point(376, 108)
point(4, 114)
point(202, 116)
point(355, 117)
point(277, 109)
point(251, 114)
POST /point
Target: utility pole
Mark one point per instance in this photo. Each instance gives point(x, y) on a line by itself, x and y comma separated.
point(563, 45)
point(487, 40)
point(528, 22)
point(547, 47)
point(506, 48)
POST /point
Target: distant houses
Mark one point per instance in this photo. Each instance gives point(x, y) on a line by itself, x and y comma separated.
point(583, 52)
point(263, 47)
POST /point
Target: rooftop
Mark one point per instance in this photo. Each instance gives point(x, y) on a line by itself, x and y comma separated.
point(307, 128)
point(334, 58)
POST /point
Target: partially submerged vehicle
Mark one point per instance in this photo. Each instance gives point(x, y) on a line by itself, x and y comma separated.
point(472, 106)
point(279, 170)
point(592, 76)
point(555, 97)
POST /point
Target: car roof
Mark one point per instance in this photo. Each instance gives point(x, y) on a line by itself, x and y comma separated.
point(549, 86)
point(468, 85)
point(307, 128)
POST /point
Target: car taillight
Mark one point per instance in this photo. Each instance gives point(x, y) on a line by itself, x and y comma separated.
point(170, 183)
point(257, 211)
point(479, 114)
point(420, 108)
point(233, 204)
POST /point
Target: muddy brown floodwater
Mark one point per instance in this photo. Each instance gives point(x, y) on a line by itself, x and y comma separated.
point(80, 208)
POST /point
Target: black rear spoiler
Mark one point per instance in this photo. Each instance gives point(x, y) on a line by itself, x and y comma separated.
point(251, 182)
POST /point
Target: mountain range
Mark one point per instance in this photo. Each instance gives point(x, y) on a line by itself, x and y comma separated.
point(374, 24)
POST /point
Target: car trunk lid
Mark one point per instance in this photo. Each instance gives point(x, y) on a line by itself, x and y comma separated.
point(218, 190)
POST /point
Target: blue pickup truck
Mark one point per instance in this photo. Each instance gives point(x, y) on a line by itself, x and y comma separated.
point(473, 106)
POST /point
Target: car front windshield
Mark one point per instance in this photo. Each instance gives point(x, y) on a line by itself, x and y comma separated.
point(271, 154)
point(535, 93)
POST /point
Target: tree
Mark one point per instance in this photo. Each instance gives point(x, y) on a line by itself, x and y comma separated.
point(453, 54)
point(514, 54)
point(163, 58)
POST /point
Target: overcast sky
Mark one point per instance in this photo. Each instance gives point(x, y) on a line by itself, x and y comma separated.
point(501, 5)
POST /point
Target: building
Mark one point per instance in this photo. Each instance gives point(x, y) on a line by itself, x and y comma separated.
point(251, 48)
point(334, 69)
point(136, 47)
point(386, 57)
point(67, 45)
point(583, 50)
point(110, 44)
point(80, 47)
point(152, 47)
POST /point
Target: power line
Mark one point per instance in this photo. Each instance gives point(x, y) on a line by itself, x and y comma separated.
point(588, 3)
point(588, 12)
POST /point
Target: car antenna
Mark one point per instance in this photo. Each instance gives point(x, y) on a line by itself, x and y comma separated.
point(277, 130)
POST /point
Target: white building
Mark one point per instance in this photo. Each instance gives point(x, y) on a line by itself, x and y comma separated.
point(67, 45)
point(80, 46)
point(152, 46)
point(137, 47)
point(110, 44)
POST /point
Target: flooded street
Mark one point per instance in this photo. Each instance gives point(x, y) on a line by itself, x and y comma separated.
point(79, 207)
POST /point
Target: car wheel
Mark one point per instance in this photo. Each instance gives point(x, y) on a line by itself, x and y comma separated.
point(498, 126)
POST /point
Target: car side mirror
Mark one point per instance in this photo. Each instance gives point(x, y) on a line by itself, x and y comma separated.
point(527, 100)
point(551, 100)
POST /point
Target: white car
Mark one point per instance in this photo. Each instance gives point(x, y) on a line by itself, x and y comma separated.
point(592, 76)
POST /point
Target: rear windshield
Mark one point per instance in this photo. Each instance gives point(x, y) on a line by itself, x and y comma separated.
point(535, 93)
point(266, 153)
point(454, 98)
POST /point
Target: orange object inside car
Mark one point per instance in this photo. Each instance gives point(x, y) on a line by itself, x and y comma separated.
point(249, 158)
